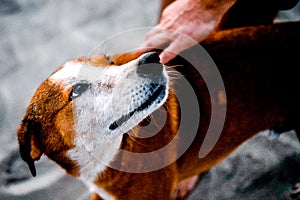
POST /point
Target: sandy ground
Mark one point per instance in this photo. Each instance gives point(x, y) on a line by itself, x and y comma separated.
point(38, 36)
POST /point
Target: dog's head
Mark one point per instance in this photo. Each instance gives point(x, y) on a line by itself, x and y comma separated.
point(87, 105)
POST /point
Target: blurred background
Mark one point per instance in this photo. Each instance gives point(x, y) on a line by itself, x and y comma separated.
point(38, 36)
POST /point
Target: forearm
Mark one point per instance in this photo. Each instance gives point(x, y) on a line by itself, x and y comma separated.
point(215, 7)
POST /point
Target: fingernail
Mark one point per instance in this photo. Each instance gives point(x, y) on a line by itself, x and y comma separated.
point(162, 59)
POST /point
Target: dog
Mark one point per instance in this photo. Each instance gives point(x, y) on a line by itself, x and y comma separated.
point(85, 116)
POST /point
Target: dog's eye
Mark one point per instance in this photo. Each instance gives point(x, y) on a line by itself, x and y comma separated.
point(78, 89)
point(107, 58)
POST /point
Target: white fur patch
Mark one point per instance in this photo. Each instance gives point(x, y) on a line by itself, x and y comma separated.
point(77, 70)
point(70, 69)
point(102, 193)
point(114, 92)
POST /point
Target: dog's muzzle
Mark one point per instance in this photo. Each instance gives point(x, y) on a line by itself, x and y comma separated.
point(148, 67)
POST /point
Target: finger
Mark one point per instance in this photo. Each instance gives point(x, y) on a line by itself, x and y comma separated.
point(154, 39)
point(166, 56)
point(157, 40)
point(142, 50)
point(156, 30)
point(177, 46)
point(171, 52)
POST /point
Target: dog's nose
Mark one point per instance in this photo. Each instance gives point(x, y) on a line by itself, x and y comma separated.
point(150, 57)
point(149, 65)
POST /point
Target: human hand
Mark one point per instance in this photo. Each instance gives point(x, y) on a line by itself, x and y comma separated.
point(183, 24)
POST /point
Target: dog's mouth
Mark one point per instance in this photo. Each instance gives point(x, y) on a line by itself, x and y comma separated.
point(158, 93)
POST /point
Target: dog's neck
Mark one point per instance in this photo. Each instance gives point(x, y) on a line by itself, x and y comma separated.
point(94, 148)
point(93, 156)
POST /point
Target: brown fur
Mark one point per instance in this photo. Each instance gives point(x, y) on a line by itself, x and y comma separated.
point(47, 128)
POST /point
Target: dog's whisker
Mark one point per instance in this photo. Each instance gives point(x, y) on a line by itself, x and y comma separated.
point(154, 121)
point(134, 135)
point(166, 106)
point(172, 72)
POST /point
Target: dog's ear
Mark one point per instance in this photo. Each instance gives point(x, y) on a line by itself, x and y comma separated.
point(28, 133)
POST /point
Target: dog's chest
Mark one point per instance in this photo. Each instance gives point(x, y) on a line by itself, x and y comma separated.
point(93, 157)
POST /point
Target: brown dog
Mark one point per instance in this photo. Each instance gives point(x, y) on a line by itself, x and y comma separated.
point(85, 116)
